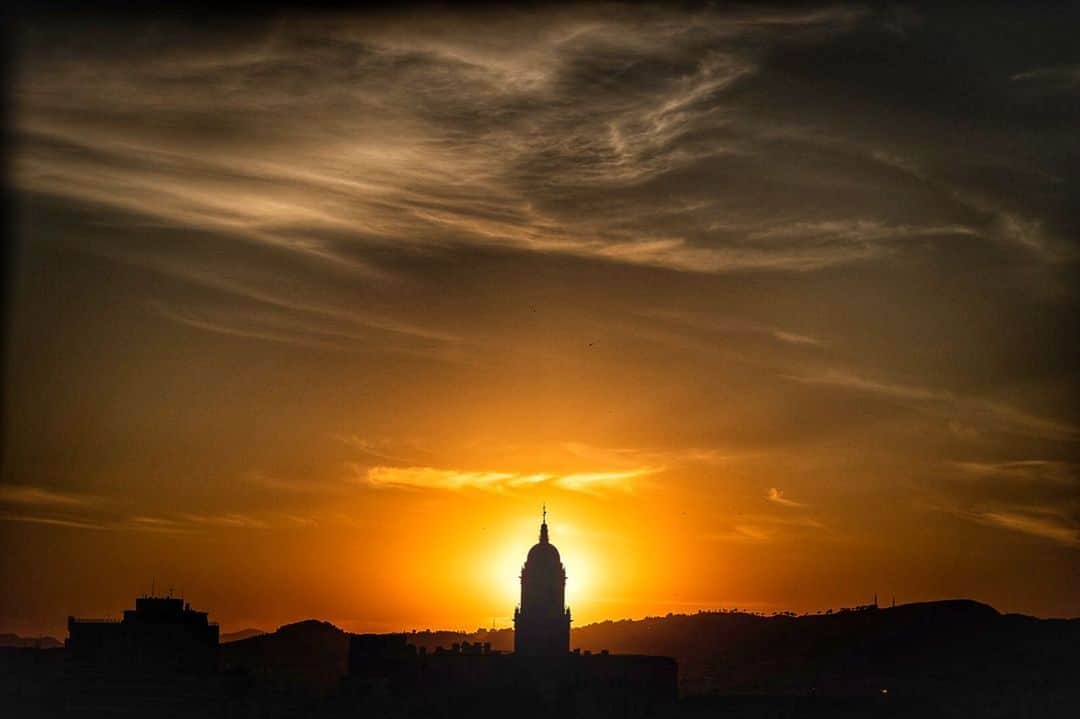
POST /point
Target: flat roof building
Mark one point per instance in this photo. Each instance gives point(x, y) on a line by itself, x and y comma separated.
point(160, 632)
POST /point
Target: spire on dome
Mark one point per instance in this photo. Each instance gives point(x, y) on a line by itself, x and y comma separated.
point(543, 527)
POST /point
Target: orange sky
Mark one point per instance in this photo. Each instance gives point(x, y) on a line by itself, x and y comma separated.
point(308, 316)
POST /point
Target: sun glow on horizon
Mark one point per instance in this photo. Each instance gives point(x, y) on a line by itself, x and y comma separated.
point(501, 574)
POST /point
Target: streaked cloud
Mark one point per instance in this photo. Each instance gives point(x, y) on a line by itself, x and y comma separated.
point(230, 520)
point(157, 524)
point(598, 482)
point(758, 529)
point(290, 485)
point(187, 522)
point(1044, 522)
point(382, 449)
point(851, 381)
point(39, 496)
point(1056, 77)
point(776, 496)
point(1032, 471)
point(657, 458)
point(794, 338)
point(51, 521)
point(489, 145)
point(180, 523)
point(987, 413)
point(715, 323)
point(451, 479)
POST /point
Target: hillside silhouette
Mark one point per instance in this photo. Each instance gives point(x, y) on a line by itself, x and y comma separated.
point(312, 655)
point(924, 649)
point(241, 634)
point(43, 642)
point(915, 649)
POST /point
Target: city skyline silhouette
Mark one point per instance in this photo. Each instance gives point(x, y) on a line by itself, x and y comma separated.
point(163, 655)
point(388, 360)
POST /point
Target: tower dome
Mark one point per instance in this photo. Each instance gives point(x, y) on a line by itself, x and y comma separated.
point(543, 552)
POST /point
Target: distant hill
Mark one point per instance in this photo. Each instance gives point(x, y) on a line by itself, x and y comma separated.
point(926, 649)
point(14, 640)
point(311, 654)
point(242, 634)
point(915, 649)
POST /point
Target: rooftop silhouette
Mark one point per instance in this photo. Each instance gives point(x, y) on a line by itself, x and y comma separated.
point(946, 658)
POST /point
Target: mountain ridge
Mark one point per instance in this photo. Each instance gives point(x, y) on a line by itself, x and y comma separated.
point(916, 647)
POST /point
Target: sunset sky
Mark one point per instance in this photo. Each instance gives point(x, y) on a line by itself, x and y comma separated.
point(307, 315)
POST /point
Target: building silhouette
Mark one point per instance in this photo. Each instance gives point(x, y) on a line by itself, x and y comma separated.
point(160, 632)
point(472, 679)
point(542, 621)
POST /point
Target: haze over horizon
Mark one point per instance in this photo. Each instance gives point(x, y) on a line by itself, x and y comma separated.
point(774, 307)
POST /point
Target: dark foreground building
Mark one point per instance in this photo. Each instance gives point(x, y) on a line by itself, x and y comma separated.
point(160, 660)
point(472, 680)
point(160, 632)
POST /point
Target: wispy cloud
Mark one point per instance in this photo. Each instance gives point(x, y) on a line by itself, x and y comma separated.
point(188, 522)
point(249, 330)
point(229, 520)
point(39, 496)
point(266, 312)
point(749, 533)
point(720, 324)
point(453, 159)
point(1053, 78)
point(432, 478)
point(179, 523)
point(656, 457)
point(852, 381)
point(776, 496)
point(291, 485)
point(1044, 522)
point(597, 482)
point(794, 338)
point(157, 524)
point(452, 479)
point(379, 448)
point(1027, 471)
point(52, 521)
point(756, 529)
point(986, 413)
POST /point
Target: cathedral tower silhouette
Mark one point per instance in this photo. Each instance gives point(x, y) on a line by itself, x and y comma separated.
point(542, 621)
